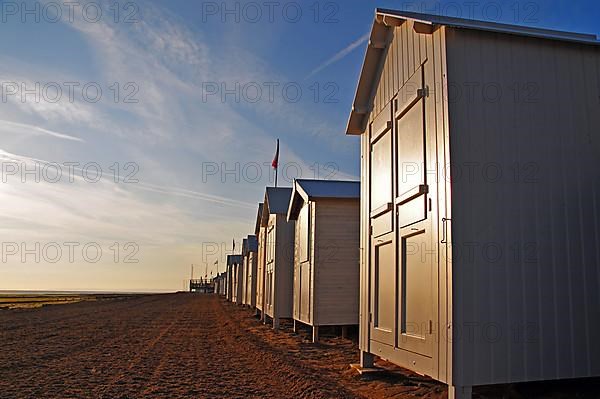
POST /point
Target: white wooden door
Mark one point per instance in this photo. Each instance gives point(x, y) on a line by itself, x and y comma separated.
point(383, 270)
point(416, 251)
point(404, 258)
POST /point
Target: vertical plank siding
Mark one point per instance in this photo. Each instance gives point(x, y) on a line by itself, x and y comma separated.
point(280, 272)
point(260, 268)
point(407, 52)
point(284, 267)
point(365, 243)
point(336, 262)
point(326, 287)
point(542, 134)
point(513, 124)
point(251, 283)
point(303, 274)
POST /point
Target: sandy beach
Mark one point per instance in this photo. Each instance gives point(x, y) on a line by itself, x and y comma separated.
point(33, 301)
point(184, 346)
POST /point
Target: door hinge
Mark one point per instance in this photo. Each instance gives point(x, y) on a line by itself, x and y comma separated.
point(430, 205)
point(424, 92)
point(430, 326)
point(371, 230)
point(370, 317)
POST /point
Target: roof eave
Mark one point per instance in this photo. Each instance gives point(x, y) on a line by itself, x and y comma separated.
point(316, 198)
point(386, 20)
point(381, 35)
point(259, 218)
point(265, 211)
point(298, 196)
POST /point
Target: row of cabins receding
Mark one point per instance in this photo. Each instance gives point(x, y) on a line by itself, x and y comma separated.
point(302, 263)
point(473, 253)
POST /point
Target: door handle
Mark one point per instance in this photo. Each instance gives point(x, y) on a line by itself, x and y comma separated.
point(444, 238)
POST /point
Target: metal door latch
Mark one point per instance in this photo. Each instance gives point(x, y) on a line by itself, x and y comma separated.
point(444, 238)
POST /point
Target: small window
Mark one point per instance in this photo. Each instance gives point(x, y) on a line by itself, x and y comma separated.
point(304, 231)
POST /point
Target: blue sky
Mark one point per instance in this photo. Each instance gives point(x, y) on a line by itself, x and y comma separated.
point(164, 123)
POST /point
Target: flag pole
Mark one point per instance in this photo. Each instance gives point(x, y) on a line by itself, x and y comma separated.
point(275, 163)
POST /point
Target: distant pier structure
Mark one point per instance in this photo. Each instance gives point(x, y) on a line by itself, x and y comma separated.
point(203, 286)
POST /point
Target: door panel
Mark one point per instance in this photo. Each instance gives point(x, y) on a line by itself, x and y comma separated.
point(305, 292)
point(383, 291)
point(410, 143)
point(381, 172)
point(412, 211)
point(416, 290)
point(384, 279)
point(415, 249)
point(296, 290)
point(411, 149)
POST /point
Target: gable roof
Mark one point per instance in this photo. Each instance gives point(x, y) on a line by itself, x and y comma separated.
point(234, 259)
point(244, 246)
point(250, 244)
point(382, 34)
point(309, 190)
point(277, 200)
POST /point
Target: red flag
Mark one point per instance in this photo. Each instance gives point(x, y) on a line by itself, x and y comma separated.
point(275, 162)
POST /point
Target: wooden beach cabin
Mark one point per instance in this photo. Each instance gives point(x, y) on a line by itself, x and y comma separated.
point(279, 264)
point(261, 235)
point(239, 279)
point(326, 252)
point(480, 200)
point(220, 284)
point(235, 271)
point(224, 284)
point(249, 253)
point(243, 275)
point(216, 282)
point(229, 279)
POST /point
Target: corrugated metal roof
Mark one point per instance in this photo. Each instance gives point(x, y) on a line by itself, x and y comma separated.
point(382, 32)
point(249, 244)
point(252, 244)
point(244, 246)
point(308, 190)
point(491, 26)
point(277, 199)
point(329, 188)
point(234, 259)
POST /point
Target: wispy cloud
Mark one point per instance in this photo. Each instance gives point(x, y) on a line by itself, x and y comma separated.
point(196, 195)
point(165, 190)
point(339, 55)
point(169, 134)
point(32, 129)
point(105, 211)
